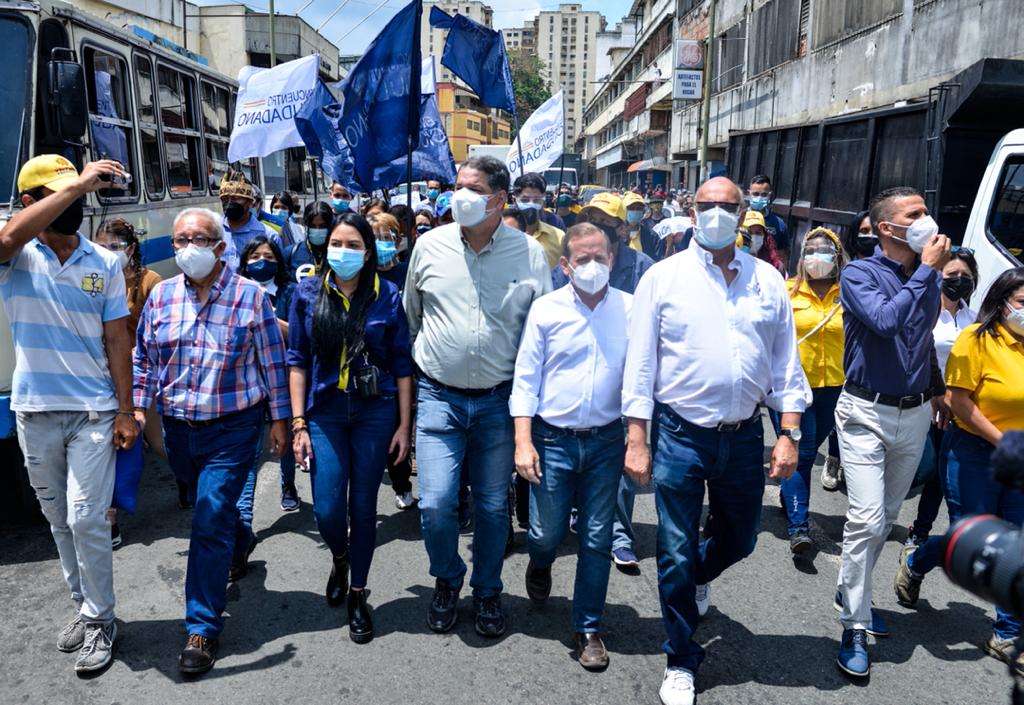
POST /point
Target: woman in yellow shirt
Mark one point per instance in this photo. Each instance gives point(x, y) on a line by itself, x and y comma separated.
point(985, 394)
point(814, 293)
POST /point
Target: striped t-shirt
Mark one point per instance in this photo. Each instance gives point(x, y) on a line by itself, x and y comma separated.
point(57, 312)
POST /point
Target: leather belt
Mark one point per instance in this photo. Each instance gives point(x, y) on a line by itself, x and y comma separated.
point(468, 392)
point(907, 401)
point(580, 432)
point(206, 423)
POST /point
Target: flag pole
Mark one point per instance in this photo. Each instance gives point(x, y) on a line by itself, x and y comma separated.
point(519, 141)
point(415, 68)
point(561, 162)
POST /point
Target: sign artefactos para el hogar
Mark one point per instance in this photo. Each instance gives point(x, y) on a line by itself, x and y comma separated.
point(687, 85)
point(268, 100)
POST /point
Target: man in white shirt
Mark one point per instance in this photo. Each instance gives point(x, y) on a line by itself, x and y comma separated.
point(566, 403)
point(711, 337)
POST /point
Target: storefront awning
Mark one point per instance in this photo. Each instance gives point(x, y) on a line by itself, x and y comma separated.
point(655, 164)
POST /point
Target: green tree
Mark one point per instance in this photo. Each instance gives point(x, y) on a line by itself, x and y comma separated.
point(528, 82)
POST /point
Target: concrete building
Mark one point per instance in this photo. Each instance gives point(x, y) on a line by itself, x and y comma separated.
point(467, 122)
point(521, 38)
point(234, 36)
point(794, 62)
point(163, 18)
point(432, 40)
point(625, 130)
point(566, 41)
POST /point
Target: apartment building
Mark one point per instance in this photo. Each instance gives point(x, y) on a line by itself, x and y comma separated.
point(432, 40)
point(467, 122)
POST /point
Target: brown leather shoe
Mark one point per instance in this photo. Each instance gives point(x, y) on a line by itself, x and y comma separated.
point(198, 655)
point(591, 652)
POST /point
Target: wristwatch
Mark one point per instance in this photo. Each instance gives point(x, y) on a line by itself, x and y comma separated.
point(793, 433)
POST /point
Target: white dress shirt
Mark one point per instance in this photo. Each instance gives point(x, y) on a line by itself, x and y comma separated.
point(709, 351)
point(571, 359)
point(947, 329)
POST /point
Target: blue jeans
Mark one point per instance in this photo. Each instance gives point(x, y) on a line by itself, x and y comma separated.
point(622, 527)
point(350, 437)
point(816, 425)
point(931, 493)
point(214, 461)
point(686, 458)
point(451, 426)
point(970, 489)
point(244, 534)
point(584, 470)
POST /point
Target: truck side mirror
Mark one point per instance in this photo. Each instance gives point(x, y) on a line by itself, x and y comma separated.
point(67, 108)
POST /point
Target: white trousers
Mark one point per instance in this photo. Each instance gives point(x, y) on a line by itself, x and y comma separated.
point(70, 460)
point(880, 448)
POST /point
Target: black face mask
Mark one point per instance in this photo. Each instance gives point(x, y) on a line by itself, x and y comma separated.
point(530, 215)
point(234, 211)
point(957, 287)
point(68, 222)
point(866, 245)
point(612, 231)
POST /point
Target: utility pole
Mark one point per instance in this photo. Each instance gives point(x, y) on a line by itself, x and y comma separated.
point(709, 64)
point(273, 39)
point(184, 23)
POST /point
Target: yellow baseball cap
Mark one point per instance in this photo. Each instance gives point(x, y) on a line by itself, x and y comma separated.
point(631, 199)
point(609, 204)
point(51, 171)
point(753, 218)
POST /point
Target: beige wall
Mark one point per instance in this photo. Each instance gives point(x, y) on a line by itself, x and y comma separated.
point(161, 17)
point(566, 43)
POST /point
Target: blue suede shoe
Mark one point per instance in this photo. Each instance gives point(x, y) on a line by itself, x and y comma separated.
point(853, 653)
point(878, 627)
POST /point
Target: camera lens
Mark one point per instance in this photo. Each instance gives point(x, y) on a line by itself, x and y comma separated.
point(985, 555)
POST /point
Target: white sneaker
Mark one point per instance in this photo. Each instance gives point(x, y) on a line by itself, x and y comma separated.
point(831, 474)
point(677, 688)
point(405, 501)
point(703, 594)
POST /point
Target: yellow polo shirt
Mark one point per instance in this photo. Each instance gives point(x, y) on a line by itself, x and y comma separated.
point(821, 354)
point(991, 368)
point(550, 238)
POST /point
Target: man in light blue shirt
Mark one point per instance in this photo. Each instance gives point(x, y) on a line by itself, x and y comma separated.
point(65, 298)
point(566, 403)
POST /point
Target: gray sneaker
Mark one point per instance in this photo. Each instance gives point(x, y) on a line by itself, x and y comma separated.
point(98, 649)
point(71, 636)
point(831, 474)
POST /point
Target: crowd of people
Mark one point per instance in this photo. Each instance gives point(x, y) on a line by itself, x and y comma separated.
point(547, 358)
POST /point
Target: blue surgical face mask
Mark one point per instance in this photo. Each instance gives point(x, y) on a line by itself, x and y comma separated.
point(386, 251)
point(262, 270)
point(423, 229)
point(634, 217)
point(759, 203)
point(432, 194)
point(317, 236)
point(340, 205)
point(345, 262)
point(280, 213)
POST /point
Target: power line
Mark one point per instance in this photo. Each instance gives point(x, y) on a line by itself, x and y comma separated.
point(330, 16)
point(372, 13)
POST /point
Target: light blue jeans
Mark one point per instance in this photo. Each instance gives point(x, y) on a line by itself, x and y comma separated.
point(451, 426)
point(584, 469)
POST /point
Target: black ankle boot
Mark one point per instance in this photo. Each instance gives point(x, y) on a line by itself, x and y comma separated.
point(337, 584)
point(360, 623)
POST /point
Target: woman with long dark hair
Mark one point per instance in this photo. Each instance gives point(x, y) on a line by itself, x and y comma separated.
point(985, 394)
point(859, 239)
point(349, 358)
point(309, 256)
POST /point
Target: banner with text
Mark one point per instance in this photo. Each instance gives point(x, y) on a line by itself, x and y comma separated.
point(542, 138)
point(268, 101)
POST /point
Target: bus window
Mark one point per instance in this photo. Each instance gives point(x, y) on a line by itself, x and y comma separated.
point(110, 125)
point(180, 132)
point(1006, 221)
point(14, 37)
point(217, 130)
point(152, 173)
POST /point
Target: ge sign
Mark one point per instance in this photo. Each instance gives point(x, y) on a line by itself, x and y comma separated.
point(689, 54)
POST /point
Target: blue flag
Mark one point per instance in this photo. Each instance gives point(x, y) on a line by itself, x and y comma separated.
point(381, 106)
point(317, 123)
point(432, 158)
point(477, 56)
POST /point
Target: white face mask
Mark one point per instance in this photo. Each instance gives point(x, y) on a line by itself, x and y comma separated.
point(122, 259)
point(469, 208)
point(756, 241)
point(716, 228)
point(591, 277)
point(918, 233)
point(819, 265)
point(1014, 319)
point(195, 262)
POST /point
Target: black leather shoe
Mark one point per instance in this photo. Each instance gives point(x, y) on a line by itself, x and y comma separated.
point(443, 609)
point(538, 582)
point(590, 651)
point(490, 620)
point(240, 563)
point(198, 655)
point(360, 621)
point(337, 583)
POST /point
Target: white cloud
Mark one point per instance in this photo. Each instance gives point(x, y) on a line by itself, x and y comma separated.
point(515, 13)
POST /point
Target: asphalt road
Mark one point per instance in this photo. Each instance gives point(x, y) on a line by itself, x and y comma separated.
point(771, 635)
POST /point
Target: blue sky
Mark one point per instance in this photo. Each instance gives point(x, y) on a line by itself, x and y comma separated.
point(507, 13)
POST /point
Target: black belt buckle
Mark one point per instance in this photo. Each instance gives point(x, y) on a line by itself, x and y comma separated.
point(729, 427)
point(584, 432)
point(910, 401)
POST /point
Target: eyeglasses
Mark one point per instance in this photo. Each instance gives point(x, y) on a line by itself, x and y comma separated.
point(180, 241)
point(702, 206)
point(531, 199)
point(961, 250)
point(117, 246)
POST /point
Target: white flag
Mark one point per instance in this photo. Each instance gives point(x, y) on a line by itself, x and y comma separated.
point(542, 138)
point(268, 100)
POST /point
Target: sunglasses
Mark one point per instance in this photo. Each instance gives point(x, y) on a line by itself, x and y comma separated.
point(702, 206)
point(959, 249)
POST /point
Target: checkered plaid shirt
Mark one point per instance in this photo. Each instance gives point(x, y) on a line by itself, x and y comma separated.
point(204, 361)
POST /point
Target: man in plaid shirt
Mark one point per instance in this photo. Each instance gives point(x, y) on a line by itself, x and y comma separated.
point(210, 354)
